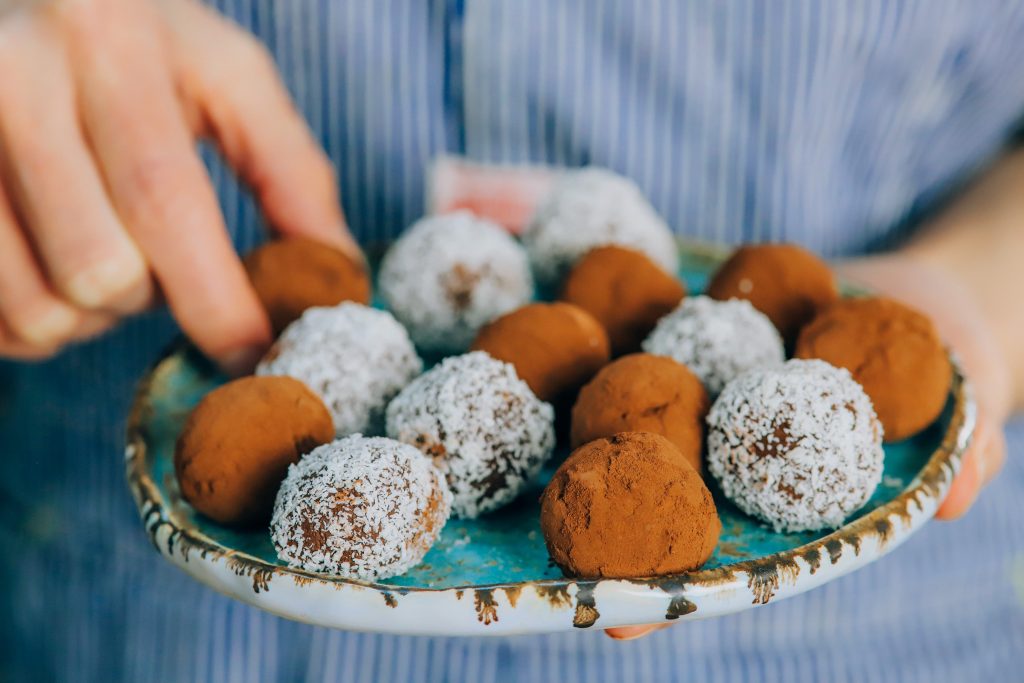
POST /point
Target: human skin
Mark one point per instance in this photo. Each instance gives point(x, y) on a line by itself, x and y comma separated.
point(964, 270)
point(105, 205)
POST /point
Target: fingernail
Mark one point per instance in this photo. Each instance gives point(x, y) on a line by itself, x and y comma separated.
point(241, 361)
point(53, 325)
point(101, 282)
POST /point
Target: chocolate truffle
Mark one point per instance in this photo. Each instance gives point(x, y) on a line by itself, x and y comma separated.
point(292, 274)
point(355, 358)
point(625, 290)
point(449, 275)
point(481, 424)
point(893, 351)
point(360, 508)
point(717, 340)
point(589, 208)
point(785, 282)
point(237, 443)
point(644, 393)
point(555, 348)
point(628, 506)
point(797, 446)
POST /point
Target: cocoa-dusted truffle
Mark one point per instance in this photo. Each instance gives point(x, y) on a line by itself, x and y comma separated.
point(482, 425)
point(353, 357)
point(785, 282)
point(625, 290)
point(893, 351)
point(237, 443)
point(797, 446)
point(555, 348)
point(644, 393)
point(292, 274)
point(628, 506)
point(449, 275)
point(360, 508)
point(593, 207)
point(717, 340)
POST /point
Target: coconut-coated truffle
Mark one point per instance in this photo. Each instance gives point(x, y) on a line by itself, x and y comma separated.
point(797, 446)
point(893, 351)
point(355, 358)
point(785, 282)
point(360, 508)
point(555, 348)
point(644, 393)
point(628, 506)
point(625, 290)
point(449, 275)
point(238, 442)
point(593, 207)
point(717, 340)
point(481, 424)
point(292, 274)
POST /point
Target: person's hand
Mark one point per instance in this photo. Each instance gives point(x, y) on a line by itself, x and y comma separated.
point(956, 315)
point(935, 293)
point(104, 201)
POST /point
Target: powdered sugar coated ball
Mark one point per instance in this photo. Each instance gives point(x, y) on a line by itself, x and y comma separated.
point(361, 508)
point(355, 358)
point(482, 425)
point(798, 446)
point(594, 207)
point(717, 340)
point(449, 275)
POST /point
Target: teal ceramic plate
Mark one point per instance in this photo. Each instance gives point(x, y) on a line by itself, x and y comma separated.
point(492, 575)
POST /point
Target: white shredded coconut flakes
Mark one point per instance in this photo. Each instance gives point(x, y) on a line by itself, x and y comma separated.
point(483, 426)
point(450, 275)
point(798, 446)
point(717, 340)
point(355, 358)
point(594, 207)
point(361, 508)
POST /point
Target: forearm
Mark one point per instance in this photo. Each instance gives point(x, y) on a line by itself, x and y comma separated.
point(979, 242)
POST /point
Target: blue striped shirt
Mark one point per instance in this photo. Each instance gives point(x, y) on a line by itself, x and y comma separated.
point(834, 124)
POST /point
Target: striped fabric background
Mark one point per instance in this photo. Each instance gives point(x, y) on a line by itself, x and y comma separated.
point(830, 123)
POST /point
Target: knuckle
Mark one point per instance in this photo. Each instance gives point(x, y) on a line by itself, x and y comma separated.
point(252, 53)
point(83, 19)
point(239, 53)
point(158, 183)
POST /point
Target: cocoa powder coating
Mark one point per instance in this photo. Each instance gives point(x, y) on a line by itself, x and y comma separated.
point(785, 282)
point(555, 348)
point(628, 506)
point(625, 291)
point(893, 351)
point(292, 274)
point(237, 443)
point(644, 393)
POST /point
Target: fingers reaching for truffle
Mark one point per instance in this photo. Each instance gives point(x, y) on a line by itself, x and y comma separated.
point(247, 110)
point(160, 190)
